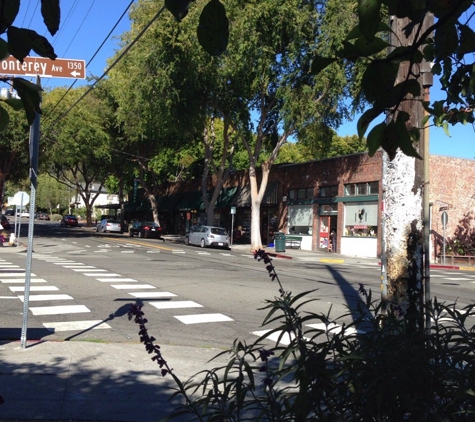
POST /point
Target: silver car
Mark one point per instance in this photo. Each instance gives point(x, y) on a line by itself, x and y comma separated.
point(208, 236)
point(108, 225)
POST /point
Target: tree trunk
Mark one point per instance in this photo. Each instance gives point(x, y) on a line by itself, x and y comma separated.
point(257, 194)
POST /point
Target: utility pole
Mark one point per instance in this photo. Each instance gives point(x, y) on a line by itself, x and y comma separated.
point(403, 183)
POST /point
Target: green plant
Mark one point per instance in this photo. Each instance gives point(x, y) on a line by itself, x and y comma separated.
point(376, 368)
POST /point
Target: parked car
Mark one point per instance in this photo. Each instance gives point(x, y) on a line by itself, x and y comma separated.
point(208, 236)
point(9, 211)
point(109, 225)
point(43, 216)
point(148, 229)
point(5, 223)
point(69, 220)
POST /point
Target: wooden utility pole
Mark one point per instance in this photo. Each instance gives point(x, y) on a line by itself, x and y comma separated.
point(403, 186)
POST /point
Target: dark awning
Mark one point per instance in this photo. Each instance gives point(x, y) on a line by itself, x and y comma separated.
point(243, 197)
point(167, 203)
point(190, 201)
point(225, 197)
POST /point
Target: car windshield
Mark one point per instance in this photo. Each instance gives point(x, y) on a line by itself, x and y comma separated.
point(218, 230)
point(113, 221)
point(150, 224)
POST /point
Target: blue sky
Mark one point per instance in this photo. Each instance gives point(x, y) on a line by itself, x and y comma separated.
point(85, 25)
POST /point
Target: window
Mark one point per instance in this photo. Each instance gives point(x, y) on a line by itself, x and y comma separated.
point(302, 193)
point(361, 219)
point(328, 191)
point(300, 219)
point(355, 189)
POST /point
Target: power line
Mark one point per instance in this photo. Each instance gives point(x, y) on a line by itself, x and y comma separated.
point(114, 63)
point(95, 54)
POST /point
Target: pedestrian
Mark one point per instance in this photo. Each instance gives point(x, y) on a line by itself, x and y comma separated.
point(333, 239)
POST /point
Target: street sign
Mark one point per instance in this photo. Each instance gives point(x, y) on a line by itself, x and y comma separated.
point(20, 199)
point(445, 219)
point(44, 67)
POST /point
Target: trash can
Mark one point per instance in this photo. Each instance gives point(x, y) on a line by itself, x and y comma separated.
point(279, 242)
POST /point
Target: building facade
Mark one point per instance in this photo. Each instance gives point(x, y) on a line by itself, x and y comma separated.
point(334, 204)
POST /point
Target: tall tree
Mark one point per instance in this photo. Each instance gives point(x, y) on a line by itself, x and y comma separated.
point(77, 142)
point(167, 94)
point(267, 61)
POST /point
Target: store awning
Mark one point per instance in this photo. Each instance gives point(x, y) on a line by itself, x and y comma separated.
point(167, 203)
point(225, 197)
point(243, 196)
point(190, 201)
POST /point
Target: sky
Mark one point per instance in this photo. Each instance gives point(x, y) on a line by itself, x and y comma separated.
point(86, 24)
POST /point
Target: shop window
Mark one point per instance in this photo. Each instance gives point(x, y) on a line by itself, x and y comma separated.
point(359, 189)
point(292, 194)
point(328, 191)
point(300, 219)
point(361, 219)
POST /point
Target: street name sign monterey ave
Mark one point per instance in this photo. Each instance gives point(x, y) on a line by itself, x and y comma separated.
point(44, 67)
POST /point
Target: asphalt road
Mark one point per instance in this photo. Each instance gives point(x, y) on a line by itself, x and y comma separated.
point(83, 283)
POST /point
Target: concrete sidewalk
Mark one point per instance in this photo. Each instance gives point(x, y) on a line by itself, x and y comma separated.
point(85, 381)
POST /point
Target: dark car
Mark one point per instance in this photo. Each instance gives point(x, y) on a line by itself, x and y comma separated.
point(147, 229)
point(5, 223)
point(69, 220)
point(9, 211)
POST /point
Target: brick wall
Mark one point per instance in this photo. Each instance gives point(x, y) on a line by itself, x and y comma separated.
point(452, 182)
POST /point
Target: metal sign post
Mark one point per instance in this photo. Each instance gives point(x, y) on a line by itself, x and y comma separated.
point(34, 150)
point(445, 219)
point(233, 212)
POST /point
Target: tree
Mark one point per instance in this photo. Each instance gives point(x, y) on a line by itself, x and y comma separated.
point(268, 57)
point(77, 154)
point(13, 150)
point(168, 101)
point(51, 193)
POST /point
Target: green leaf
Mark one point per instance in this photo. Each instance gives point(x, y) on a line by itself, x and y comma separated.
point(319, 63)
point(467, 41)
point(14, 103)
point(30, 96)
point(446, 40)
point(9, 10)
point(21, 41)
point(365, 120)
point(356, 32)
point(369, 12)
point(375, 138)
point(41, 46)
point(4, 119)
point(370, 48)
point(178, 8)
point(379, 79)
point(213, 28)
point(4, 53)
point(51, 13)
point(445, 126)
point(405, 53)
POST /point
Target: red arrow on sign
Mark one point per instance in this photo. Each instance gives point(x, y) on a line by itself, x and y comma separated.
point(43, 67)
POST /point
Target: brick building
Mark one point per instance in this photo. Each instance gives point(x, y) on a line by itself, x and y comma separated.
point(341, 194)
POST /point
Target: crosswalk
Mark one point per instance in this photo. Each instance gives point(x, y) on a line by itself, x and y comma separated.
point(46, 300)
point(11, 275)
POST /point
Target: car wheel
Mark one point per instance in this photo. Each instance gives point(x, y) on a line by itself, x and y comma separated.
point(187, 240)
point(202, 243)
point(131, 234)
point(97, 228)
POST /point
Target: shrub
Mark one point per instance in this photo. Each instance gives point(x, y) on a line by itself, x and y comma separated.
point(374, 369)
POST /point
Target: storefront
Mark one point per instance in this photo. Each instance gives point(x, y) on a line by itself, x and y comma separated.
point(361, 220)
